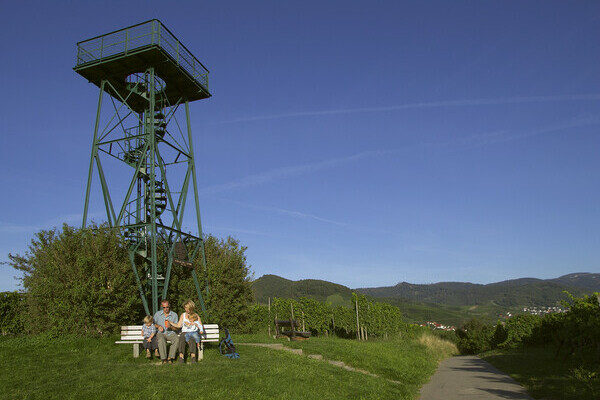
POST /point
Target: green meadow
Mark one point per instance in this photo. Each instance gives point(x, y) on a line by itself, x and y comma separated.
point(89, 368)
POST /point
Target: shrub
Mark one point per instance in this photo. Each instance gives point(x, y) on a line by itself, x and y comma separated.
point(475, 337)
point(519, 330)
point(11, 313)
point(578, 331)
point(77, 281)
point(230, 289)
point(81, 281)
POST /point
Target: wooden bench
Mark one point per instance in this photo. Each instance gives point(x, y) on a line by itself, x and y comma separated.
point(132, 334)
point(293, 333)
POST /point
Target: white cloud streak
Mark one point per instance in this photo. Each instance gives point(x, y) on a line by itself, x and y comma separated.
point(236, 230)
point(290, 213)
point(430, 104)
point(471, 141)
point(285, 172)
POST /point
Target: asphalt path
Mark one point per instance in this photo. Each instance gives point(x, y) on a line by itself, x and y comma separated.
point(470, 377)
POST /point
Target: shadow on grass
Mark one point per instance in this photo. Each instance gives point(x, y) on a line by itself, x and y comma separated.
point(544, 375)
point(506, 394)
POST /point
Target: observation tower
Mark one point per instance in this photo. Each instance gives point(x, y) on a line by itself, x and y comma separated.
point(142, 152)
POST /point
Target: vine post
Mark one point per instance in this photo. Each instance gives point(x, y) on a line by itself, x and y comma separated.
point(357, 323)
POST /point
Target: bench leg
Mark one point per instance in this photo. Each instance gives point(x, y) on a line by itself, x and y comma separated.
point(201, 352)
point(136, 350)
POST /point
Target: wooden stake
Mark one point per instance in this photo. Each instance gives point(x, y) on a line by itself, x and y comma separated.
point(292, 321)
point(357, 323)
point(333, 319)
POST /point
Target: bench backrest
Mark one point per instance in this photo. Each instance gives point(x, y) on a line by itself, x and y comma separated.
point(134, 333)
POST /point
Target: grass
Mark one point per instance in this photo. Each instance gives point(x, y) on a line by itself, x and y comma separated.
point(409, 361)
point(37, 367)
point(546, 376)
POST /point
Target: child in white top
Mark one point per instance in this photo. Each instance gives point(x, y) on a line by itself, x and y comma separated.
point(192, 327)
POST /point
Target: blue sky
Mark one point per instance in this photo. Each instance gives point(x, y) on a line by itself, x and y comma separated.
point(364, 143)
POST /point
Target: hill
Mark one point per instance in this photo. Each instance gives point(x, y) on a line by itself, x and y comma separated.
point(583, 280)
point(511, 293)
point(445, 302)
point(275, 286)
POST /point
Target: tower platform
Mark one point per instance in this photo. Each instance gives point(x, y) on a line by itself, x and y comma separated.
point(116, 55)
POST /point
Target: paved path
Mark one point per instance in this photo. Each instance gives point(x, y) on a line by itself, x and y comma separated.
point(469, 377)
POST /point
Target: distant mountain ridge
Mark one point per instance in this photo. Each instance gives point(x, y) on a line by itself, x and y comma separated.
point(275, 286)
point(510, 293)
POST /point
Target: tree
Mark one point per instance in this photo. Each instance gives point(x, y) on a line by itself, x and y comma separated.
point(229, 280)
point(77, 281)
point(519, 330)
point(81, 281)
point(474, 337)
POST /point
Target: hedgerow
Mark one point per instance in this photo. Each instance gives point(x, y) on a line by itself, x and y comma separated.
point(576, 331)
point(12, 307)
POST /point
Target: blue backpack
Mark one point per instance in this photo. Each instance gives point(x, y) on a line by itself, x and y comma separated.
point(226, 346)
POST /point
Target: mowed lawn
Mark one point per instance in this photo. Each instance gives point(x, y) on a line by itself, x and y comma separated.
point(86, 368)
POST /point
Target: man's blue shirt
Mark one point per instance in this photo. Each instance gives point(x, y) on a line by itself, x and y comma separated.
point(160, 317)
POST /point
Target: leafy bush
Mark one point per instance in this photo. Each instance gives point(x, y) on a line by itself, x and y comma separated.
point(230, 291)
point(11, 313)
point(81, 281)
point(578, 331)
point(475, 337)
point(519, 329)
point(77, 281)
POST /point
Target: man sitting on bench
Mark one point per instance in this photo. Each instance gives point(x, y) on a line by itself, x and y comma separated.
point(163, 320)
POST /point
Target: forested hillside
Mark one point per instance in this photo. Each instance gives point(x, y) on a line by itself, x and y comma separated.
point(274, 286)
point(511, 293)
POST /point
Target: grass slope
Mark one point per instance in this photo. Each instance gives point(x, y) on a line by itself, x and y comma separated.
point(546, 376)
point(411, 362)
point(73, 368)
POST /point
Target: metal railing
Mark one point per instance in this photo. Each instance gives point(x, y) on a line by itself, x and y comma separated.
point(127, 40)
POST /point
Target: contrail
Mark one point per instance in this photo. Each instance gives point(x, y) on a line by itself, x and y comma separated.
point(468, 141)
point(291, 213)
point(431, 104)
point(269, 176)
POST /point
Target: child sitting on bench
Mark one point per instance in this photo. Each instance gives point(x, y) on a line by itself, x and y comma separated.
point(149, 334)
point(193, 329)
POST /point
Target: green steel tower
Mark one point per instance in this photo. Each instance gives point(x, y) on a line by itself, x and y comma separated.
point(142, 149)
